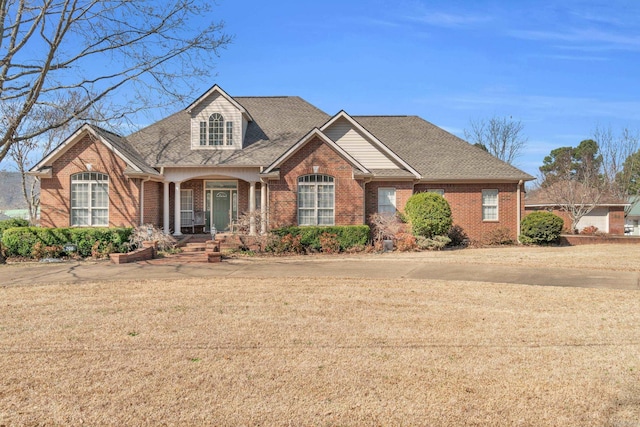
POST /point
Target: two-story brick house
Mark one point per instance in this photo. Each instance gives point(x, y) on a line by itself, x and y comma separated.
point(281, 156)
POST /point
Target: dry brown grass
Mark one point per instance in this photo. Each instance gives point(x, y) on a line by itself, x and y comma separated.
point(593, 257)
point(318, 352)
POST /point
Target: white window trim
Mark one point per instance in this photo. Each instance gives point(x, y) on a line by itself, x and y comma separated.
point(439, 191)
point(90, 207)
point(186, 221)
point(394, 203)
point(316, 209)
point(228, 141)
point(497, 205)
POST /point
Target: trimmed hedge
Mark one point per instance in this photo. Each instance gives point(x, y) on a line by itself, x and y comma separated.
point(541, 227)
point(429, 214)
point(11, 223)
point(348, 236)
point(20, 241)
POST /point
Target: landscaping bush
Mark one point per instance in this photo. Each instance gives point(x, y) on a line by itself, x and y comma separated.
point(498, 236)
point(436, 243)
point(96, 242)
point(428, 214)
point(457, 236)
point(166, 242)
point(540, 228)
point(347, 236)
point(11, 223)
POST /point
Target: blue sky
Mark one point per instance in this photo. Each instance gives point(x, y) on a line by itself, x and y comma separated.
point(560, 67)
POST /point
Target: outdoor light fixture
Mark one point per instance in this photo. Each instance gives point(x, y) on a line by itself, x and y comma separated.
point(213, 232)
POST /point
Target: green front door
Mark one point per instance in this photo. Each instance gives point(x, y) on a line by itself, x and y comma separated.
point(221, 209)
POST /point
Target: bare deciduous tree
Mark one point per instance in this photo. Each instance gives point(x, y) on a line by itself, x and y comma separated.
point(571, 179)
point(620, 166)
point(94, 50)
point(500, 136)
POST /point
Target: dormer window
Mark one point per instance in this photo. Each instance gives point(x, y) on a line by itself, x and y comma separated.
point(216, 132)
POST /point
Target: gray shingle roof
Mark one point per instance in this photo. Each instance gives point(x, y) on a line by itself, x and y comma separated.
point(435, 153)
point(123, 146)
point(279, 122)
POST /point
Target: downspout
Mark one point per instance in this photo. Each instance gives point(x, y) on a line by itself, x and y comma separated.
point(519, 213)
point(142, 200)
point(364, 198)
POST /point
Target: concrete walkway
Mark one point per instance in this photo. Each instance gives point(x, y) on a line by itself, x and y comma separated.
point(361, 266)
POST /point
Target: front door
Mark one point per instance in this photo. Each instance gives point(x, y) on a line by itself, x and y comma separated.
point(221, 209)
point(221, 204)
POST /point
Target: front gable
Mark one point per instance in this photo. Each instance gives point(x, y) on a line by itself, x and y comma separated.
point(316, 135)
point(363, 146)
point(217, 121)
point(44, 167)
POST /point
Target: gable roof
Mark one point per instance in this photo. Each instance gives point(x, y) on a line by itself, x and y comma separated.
point(225, 95)
point(114, 142)
point(372, 138)
point(315, 133)
point(437, 154)
point(279, 124)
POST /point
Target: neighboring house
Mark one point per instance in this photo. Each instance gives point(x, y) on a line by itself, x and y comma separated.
point(633, 218)
point(223, 156)
point(607, 215)
point(17, 213)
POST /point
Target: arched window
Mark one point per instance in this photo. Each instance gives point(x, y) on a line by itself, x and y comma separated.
point(89, 199)
point(316, 198)
point(216, 129)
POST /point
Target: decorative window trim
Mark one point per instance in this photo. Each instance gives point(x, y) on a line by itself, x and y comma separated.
point(216, 129)
point(316, 200)
point(490, 205)
point(216, 133)
point(386, 208)
point(85, 189)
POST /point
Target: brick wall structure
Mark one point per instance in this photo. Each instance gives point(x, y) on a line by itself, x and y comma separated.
point(465, 201)
point(349, 192)
point(55, 192)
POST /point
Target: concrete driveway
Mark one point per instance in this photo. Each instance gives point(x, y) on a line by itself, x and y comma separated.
point(358, 266)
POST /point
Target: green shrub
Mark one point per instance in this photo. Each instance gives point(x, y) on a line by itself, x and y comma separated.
point(11, 223)
point(20, 241)
point(428, 214)
point(540, 228)
point(347, 236)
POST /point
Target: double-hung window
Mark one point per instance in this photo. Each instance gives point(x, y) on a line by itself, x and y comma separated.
point(387, 201)
point(186, 208)
point(90, 199)
point(489, 205)
point(316, 198)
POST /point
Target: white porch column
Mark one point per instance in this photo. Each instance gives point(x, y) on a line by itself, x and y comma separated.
point(252, 208)
point(263, 208)
point(165, 208)
point(176, 212)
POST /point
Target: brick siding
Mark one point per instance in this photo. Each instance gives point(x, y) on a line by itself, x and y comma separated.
point(349, 194)
point(55, 192)
point(465, 201)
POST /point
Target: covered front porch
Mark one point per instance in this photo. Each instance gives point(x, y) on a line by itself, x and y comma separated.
point(213, 198)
